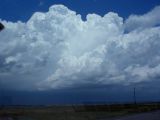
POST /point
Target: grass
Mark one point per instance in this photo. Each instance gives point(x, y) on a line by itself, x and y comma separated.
point(75, 112)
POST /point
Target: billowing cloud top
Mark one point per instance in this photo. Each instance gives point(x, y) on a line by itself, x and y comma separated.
point(58, 49)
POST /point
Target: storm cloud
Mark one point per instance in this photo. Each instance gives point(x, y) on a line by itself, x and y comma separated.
point(58, 49)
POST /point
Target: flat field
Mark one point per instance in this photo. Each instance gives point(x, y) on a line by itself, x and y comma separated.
point(74, 112)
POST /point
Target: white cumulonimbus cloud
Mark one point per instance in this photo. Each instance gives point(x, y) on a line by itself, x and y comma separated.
point(57, 49)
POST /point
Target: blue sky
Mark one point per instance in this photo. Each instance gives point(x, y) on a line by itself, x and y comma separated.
point(13, 10)
point(81, 51)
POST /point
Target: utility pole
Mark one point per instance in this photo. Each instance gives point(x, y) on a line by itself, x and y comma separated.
point(134, 96)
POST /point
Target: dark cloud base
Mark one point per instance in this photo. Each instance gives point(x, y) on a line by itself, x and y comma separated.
point(105, 95)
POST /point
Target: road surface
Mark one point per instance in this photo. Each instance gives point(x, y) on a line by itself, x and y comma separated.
point(143, 116)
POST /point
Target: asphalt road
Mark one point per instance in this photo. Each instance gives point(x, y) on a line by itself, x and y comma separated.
point(6, 118)
point(143, 116)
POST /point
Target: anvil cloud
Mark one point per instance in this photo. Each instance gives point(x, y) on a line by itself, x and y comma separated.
point(57, 49)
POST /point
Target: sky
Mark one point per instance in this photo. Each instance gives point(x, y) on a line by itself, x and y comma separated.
point(13, 10)
point(64, 51)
